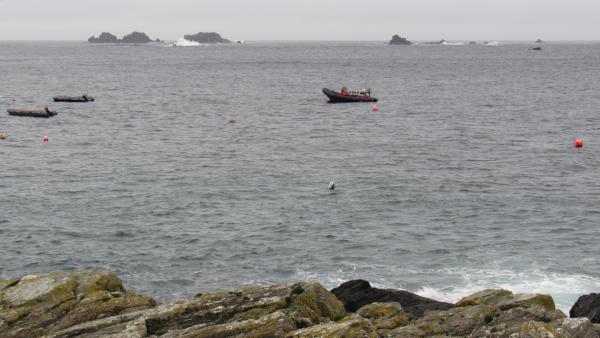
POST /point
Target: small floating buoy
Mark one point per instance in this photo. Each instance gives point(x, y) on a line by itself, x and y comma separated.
point(331, 186)
point(375, 108)
point(45, 138)
point(2, 136)
point(231, 119)
point(578, 143)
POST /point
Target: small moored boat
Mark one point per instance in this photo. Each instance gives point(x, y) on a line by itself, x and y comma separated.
point(363, 95)
point(82, 98)
point(32, 112)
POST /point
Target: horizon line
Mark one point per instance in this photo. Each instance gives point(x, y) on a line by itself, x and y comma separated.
point(321, 40)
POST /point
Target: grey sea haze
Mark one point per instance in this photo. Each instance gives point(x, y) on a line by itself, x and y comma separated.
point(466, 178)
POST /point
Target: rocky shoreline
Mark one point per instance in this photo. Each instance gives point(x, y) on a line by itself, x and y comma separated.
point(94, 303)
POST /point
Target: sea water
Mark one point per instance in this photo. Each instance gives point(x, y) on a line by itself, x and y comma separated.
point(466, 178)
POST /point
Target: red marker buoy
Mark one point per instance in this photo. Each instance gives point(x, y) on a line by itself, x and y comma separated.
point(45, 138)
point(375, 108)
point(578, 143)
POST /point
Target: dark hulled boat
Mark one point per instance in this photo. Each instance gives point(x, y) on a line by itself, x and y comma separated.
point(82, 98)
point(32, 112)
point(346, 96)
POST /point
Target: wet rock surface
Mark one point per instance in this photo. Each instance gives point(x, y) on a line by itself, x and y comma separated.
point(358, 293)
point(587, 306)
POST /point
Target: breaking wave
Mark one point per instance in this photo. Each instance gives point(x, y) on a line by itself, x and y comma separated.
point(181, 42)
point(565, 289)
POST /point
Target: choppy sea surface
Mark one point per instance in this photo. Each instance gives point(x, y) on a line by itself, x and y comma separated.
point(466, 178)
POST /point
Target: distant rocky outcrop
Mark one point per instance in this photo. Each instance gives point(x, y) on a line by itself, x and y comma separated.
point(587, 306)
point(398, 40)
point(206, 38)
point(93, 303)
point(539, 41)
point(135, 37)
point(105, 37)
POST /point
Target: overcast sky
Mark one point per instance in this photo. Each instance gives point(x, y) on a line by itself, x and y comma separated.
point(304, 19)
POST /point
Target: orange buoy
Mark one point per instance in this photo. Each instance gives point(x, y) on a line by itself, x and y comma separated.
point(231, 119)
point(375, 108)
point(578, 143)
point(45, 138)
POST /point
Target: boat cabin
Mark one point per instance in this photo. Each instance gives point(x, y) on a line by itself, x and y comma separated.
point(362, 92)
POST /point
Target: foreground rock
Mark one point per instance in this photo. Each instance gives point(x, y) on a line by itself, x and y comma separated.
point(206, 38)
point(587, 306)
point(93, 303)
point(398, 40)
point(36, 305)
point(358, 293)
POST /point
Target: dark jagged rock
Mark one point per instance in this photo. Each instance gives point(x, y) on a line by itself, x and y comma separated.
point(135, 37)
point(206, 38)
point(398, 40)
point(587, 306)
point(105, 37)
point(358, 293)
point(536, 48)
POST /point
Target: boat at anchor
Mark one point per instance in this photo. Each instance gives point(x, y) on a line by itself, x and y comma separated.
point(82, 98)
point(45, 113)
point(363, 95)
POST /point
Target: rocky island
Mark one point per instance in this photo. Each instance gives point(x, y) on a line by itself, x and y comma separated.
point(206, 38)
point(94, 303)
point(398, 40)
point(134, 37)
point(539, 41)
point(105, 37)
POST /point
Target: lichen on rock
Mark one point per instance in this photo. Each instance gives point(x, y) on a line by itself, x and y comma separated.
point(39, 305)
point(350, 326)
point(384, 316)
point(94, 303)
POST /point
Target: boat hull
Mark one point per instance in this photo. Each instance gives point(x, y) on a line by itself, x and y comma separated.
point(31, 112)
point(335, 97)
point(73, 99)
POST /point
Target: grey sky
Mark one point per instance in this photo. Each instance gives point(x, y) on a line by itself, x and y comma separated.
point(304, 19)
